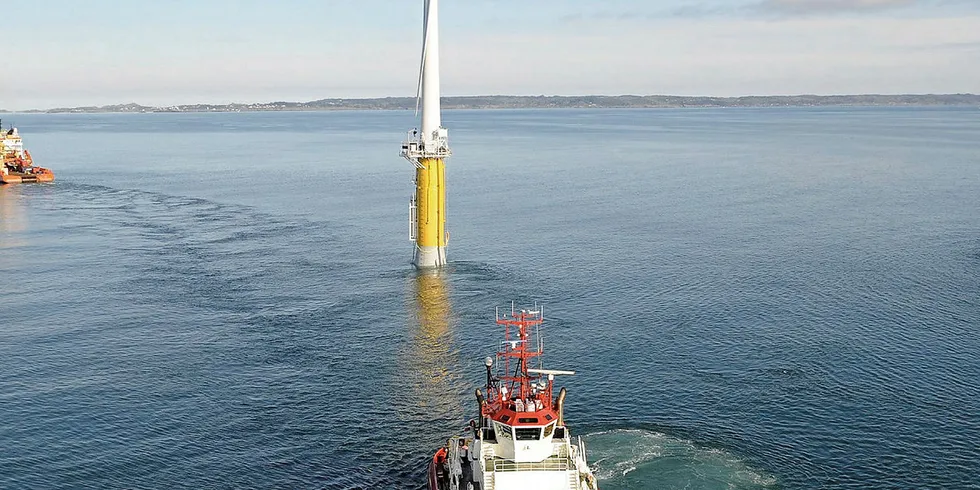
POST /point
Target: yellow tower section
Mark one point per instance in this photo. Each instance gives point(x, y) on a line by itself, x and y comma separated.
point(430, 192)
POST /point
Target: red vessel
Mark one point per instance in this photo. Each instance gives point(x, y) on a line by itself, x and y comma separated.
point(520, 440)
point(16, 164)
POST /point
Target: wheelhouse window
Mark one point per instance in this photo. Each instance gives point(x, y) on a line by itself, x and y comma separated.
point(548, 429)
point(527, 434)
point(503, 431)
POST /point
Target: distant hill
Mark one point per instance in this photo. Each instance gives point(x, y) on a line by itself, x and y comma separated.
point(554, 101)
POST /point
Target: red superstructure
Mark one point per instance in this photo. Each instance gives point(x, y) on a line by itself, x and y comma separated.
point(521, 395)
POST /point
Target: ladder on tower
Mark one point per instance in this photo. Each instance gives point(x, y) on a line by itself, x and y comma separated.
point(413, 219)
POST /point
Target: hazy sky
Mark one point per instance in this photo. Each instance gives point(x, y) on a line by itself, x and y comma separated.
point(68, 52)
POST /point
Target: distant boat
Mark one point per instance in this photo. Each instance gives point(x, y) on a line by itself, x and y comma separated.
point(18, 165)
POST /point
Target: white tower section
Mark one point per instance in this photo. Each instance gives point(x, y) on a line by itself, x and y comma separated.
point(431, 110)
point(434, 137)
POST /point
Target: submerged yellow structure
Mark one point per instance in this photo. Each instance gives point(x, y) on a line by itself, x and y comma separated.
point(428, 150)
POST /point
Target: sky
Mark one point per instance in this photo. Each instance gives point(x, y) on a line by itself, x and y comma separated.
point(71, 53)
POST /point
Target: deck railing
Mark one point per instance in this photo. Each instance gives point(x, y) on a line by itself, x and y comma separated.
point(550, 464)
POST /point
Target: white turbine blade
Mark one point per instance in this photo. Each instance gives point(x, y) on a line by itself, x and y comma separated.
point(425, 35)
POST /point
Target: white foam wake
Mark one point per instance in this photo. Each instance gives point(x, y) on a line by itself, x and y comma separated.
point(636, 459)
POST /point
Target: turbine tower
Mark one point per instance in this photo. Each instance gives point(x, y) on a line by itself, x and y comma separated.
point(427, 150)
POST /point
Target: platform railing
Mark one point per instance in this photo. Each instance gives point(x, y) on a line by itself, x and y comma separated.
point(414, 149)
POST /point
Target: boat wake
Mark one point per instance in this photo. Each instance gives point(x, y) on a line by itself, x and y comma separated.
point(636, 459)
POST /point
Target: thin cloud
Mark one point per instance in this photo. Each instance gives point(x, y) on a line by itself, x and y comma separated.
point(695, 11)
point(830, 6)
point(688, 11)
point(956, 46)
point(606, 16)
point(763, 8)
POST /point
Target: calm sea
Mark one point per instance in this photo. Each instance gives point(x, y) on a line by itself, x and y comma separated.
point(752, 298)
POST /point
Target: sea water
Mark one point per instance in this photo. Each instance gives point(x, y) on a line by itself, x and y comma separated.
point(751, 298)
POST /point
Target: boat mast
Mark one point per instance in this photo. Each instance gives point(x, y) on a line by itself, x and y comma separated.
point(520, 350)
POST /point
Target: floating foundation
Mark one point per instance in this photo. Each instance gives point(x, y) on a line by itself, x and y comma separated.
point(428, 150)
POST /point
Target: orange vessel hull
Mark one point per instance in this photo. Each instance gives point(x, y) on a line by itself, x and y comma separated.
point(37, 174)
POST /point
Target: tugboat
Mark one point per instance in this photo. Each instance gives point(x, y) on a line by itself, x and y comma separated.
point(17, 165)
point(520, 441)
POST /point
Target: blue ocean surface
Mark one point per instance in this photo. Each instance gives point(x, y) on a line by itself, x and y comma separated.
point(751, 298)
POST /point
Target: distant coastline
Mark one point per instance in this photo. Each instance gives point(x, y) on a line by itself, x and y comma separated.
point(548, 102)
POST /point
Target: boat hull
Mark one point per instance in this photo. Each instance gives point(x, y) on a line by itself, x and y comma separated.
point(44, 175)
point(434, 475)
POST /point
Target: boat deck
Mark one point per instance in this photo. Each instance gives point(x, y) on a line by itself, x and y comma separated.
point(560, 471)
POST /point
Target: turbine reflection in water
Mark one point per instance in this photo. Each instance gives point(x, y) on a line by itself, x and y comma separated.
point(12, 218)
point(430, 362)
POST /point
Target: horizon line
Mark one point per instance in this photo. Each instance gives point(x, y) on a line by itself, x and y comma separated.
point(535, 96)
